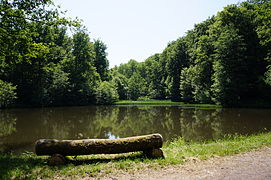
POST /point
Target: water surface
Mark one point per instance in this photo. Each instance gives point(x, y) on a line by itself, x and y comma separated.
point(20, 128)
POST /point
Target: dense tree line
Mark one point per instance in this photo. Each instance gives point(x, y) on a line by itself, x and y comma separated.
point(224, 60)
point(49, 60)
point(41, 64)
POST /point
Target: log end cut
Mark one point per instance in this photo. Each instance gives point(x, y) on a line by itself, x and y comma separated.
point(57, 159)
point(154, 153)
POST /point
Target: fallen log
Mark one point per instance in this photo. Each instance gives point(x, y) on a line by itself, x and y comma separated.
point(146, 143)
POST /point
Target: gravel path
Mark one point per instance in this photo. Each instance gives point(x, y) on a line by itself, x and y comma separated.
point(251, 165)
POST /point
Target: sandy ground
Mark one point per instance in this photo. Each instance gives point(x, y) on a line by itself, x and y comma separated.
point(251, 165)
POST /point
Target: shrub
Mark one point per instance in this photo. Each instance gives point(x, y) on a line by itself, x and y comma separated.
point(106, 93)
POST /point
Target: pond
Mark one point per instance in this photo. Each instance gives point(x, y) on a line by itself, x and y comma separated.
point(20, 128)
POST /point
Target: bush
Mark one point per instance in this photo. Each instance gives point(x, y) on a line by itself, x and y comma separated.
point(106, 93)
point(7, 93)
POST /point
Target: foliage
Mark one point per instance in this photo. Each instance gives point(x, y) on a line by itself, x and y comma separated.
point(228, 84)
point(263, 15)
point(46, 64)
point(101, 62)
point(186, 88)
point(56, 81)
point(83, 76)
point(106, 93)
point(121, 83)
point(7, 94)
point(51, 60)
point(176, 59)
point(196, 79)
point(136, 86)
point(223, 60)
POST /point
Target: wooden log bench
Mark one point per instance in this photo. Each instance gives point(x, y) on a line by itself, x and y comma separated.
point(58, 149)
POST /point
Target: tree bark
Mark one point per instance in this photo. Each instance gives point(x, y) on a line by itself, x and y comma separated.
point(98, 146)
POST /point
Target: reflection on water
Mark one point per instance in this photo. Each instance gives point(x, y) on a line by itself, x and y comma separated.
point(20, 128)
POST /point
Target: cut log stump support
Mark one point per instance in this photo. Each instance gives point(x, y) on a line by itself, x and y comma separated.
point(57, 159)
point(58, 149)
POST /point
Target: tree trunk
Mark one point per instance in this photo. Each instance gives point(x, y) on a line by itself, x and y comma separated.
point(98, 146)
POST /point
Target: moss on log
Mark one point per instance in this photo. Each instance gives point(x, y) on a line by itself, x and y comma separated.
point(98, 146)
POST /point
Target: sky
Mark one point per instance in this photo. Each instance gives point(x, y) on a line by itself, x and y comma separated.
point(137, 29)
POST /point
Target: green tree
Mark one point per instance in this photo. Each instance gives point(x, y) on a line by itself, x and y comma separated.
point(128, 69)
point(83, 76)
point(197, 77)
point(121, 83)
point(238, 63)
point(106, 93)
point(56, 83)
point(32, 36)
point(153, 77)
point(176, 60)
point(186, 85)
point(136, 86)
point(100, 62)
point(229, 80)
point(261, 9)
point(135, 73)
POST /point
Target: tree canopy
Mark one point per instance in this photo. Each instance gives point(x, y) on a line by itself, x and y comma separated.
point(223, 60)
point(42, 62)
point(47, 59)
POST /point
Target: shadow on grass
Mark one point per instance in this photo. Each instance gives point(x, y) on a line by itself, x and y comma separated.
point(10, 165)
point(106, 159)
point(32, 166)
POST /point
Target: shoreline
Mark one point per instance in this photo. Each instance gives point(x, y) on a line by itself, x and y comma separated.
point(28, 165)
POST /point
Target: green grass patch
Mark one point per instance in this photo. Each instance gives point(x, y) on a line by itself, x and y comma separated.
point(30, 166)
point(161, 103)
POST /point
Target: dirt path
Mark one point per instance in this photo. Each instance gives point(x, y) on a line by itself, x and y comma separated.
point(250, 165)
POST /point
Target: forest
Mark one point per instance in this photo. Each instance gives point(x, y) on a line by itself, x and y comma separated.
point(47, 59)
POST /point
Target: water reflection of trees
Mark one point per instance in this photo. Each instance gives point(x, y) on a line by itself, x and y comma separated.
point(200, 125)
point(7, 126)
point(130, 121)
point(21, 127)
point(7, 123)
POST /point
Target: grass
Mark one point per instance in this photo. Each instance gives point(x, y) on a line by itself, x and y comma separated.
point(30, 166)
point(161, 103)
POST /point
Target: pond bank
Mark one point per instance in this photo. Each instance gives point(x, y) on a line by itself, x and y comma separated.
point(153, 102)
point(29, 166)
